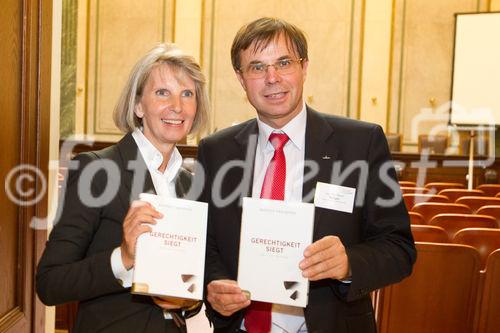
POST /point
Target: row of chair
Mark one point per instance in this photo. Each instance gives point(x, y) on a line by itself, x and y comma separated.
point(490, 190)
point(486, 302)
point(445, 293)
point(422, 213)
point(451, 193)
point(454, 285)
point(473, 202)
point(451, 224)
point(485, 240)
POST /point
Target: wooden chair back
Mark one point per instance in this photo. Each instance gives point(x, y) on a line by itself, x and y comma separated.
point(416, 218)
point(416, 190)
point(438, 186)
point(489, 320)
point(412, 199)
point(491, 210)
point(454, 193)
point(434, 144)
point(452, 223)
point(489, 189)
point(430, 209)
point(477, 202)
point(429, 233)
point(485, 240)
point(437, 297)
point(407, 183)
point(395, 141)
point(480, 145)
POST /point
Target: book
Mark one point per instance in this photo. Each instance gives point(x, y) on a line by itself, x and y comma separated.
point(274, 235)
point(170, 260)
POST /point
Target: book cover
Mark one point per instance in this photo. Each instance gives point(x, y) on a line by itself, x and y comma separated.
point(170, 260)
point(274, 235)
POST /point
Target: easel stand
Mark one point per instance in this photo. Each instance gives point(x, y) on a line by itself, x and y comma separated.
point(471, 160)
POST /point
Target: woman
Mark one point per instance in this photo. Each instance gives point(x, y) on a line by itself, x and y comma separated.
point(89, 256)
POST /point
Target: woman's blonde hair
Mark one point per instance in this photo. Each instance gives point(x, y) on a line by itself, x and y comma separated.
point(124, 115)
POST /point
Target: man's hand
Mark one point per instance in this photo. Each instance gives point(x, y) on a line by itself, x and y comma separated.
point(226, 297)
point(325, 258)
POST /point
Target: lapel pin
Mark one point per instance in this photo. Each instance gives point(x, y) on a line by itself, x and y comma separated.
point(326, 157)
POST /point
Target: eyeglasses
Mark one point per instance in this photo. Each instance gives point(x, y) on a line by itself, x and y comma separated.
point(258, 70)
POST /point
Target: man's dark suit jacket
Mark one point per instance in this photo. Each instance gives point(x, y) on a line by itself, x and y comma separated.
point(76, 265)
point(378, 240)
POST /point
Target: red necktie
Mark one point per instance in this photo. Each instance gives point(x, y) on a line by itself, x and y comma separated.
point(258, 314)
point(273, 186)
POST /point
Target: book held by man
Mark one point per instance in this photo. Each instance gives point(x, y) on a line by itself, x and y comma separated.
point(274, 235)
point(170, 260)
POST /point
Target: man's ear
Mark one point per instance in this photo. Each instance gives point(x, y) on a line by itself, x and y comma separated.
point(138, 110)
point(305, 63)
point(240, 78)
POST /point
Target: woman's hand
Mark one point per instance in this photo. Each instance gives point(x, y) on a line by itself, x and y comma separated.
point(165, 303)
point(137, 221)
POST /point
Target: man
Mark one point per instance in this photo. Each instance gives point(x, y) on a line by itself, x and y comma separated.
point(352, 253)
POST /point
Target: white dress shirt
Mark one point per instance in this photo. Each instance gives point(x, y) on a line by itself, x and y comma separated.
point(164, 184)
point(285, 319)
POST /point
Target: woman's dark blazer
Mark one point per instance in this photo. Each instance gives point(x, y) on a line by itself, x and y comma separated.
point(76, 265)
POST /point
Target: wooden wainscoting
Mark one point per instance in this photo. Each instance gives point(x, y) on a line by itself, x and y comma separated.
point(25, 32)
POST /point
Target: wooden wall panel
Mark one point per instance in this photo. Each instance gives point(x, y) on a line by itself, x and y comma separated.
point(25, 35)
point(329, 28)
point(422, 58)
point(11, 23)
point(119, 33)
point(494, 5)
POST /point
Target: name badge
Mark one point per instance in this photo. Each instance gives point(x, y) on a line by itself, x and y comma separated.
point(334, 197)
